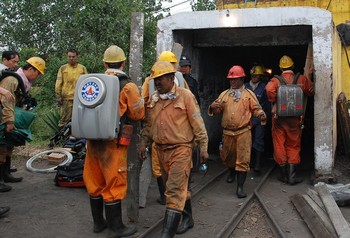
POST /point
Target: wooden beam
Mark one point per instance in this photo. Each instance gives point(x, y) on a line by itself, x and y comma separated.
point(340, 224)
point(321, 214)
point(309, 216)
point(177, 50)
point(314, 196)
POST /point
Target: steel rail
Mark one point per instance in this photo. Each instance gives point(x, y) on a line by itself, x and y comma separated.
point(156, 228)
point(276, 229)
point(237, 217)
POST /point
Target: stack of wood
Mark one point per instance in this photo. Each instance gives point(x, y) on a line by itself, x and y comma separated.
point(321, 213)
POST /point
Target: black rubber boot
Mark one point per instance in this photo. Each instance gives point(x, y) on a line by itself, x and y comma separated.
point(284, 174)
point(252, 159)
point(114, 220)
point(4, 210)
point(161, 200)
point(231, 176)
point(8, 178)
point(3, 186)
point(292, 179)
point(241, 176)
point(96, 205)
point(257, 165)
point(187, 219)
point(13, 169)
point(171, 222)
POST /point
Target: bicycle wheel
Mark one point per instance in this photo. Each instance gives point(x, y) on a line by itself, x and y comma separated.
point(69, 158)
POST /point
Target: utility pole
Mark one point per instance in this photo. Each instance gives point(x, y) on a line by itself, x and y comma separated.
point(135, 72)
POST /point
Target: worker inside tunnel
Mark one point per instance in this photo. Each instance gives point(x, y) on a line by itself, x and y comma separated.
point(214, 51)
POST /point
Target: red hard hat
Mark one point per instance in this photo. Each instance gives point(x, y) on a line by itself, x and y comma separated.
point(236, 72)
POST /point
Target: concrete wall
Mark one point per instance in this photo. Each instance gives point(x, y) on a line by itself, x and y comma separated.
point(322, 38)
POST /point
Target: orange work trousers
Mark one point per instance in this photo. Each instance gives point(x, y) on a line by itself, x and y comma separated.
point(286, 137)
point(176, 166)
point(236, 151)
point(105, 170)
point(155, 162)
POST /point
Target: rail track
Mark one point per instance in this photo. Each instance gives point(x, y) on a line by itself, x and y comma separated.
point(218, 212)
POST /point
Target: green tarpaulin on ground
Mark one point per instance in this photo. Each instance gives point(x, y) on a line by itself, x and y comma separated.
point(18, 137)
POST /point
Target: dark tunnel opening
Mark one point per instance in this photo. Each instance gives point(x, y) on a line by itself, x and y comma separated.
point(212, 59)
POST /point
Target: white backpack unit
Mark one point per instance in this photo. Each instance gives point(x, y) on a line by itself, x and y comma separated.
point(96, 107)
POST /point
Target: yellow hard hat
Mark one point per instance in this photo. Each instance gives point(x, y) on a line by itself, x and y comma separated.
point(286, 62)
point(37, 63)
point(161, 68)
point(113, 54)
point(257, 70)
point(168, 56)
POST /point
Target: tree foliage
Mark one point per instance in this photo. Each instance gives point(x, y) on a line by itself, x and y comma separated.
point(47, 28)
point(203, 5)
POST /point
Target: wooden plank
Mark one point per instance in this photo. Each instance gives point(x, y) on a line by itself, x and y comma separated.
point(309, 216)
point(321, 214)
point(314, 196)
point(343, 125)
point(340, 224)
point(177, 50)
point(309, 63)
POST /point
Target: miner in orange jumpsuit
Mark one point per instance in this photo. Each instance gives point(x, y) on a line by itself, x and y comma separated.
point(147, 89)
point(237, 104)
point(105, 169)
point(286, 131)
point(174, 124)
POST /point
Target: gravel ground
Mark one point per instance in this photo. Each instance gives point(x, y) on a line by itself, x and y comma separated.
point(254, 224)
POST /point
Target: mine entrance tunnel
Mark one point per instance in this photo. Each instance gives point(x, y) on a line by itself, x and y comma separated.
point(214, 51)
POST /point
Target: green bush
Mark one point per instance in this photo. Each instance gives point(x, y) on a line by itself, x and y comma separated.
point(45, 125)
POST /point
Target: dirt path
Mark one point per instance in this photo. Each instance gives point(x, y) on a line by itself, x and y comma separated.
point(39, 209)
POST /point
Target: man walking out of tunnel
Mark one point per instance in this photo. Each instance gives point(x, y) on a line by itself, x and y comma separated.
point(105, 168)
point(286, 130)
point(148, 88)
point(258, 130)
point(186, 70)
point(174, 124)
point(185, 67)
point(237, 104)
